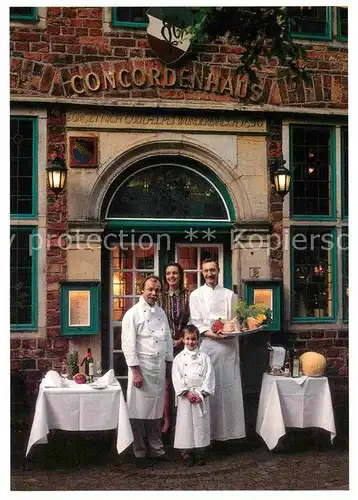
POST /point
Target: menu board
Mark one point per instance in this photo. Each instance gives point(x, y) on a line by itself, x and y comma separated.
point(79, 307)
point(263, 296)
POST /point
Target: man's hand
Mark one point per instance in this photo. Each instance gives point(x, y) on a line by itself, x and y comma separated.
point(213, 335)
point(137, 377)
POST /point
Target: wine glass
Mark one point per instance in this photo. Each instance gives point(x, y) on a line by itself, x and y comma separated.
point(98, 369)
point(64, 372)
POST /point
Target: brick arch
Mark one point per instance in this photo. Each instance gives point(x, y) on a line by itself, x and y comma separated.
point(108, 172)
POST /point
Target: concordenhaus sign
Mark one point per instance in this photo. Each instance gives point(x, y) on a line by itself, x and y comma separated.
point(167, 32)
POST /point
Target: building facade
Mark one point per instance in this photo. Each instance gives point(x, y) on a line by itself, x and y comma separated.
point(171, 162)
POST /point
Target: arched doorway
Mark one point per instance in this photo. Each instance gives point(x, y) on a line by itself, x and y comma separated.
point(165, 208)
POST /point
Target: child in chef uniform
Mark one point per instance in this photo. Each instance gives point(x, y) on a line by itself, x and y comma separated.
point(194, 381)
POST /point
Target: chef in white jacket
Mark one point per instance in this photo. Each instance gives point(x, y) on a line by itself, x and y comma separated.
point(148, 350)
point(194, 381)
point(207, 304)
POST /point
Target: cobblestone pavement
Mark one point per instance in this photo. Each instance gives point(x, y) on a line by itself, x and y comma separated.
point(70, 463)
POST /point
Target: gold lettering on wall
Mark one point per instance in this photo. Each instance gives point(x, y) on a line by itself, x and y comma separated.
point(118, 121)
point(200, 77)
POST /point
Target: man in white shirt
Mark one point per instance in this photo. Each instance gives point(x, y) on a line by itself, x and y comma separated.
point(148, 349)
point(207, 304)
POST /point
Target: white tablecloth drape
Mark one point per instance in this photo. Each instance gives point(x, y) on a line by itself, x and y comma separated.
point(287, 402)
point(78, 407)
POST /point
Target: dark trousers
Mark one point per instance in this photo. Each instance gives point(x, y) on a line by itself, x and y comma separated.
point(147, 436)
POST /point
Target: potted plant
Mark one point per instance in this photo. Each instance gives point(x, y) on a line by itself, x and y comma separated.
point(72, 359)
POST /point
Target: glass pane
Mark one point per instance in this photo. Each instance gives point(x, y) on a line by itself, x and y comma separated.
point(345, 171)
point(131, 14)
point(21, 166)
point(345, 272)
point(170, 192)
point(144, 258)
point(123, 283)
point(21, 11)
point(117, 337)
point(119, 365)
point(342, 21)
point(188, 257)
point(311, 171)
point(139, 278)
point(122, 258)
point(191, 280)
point(21, 276)
point(120, 307)
point(312, 280)
point(308, 20)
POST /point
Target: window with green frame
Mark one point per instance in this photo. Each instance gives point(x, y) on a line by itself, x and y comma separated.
point(313, 274)
point(312, 158)
point(310, 22)
point(345, 271)
point(23, 13)
point(342, 23)
point(23, 167)
point(23, 277)
point(134, 17)
point(344, 163)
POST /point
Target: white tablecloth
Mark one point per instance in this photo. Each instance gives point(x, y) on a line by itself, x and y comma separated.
point(78, 407)
point(287, 402)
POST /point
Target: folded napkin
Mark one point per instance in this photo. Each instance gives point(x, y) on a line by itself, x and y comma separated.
point(300, 380)
point(53, 379)
point(108, 378)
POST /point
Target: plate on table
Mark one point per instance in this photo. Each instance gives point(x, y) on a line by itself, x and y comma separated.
point(98, 386)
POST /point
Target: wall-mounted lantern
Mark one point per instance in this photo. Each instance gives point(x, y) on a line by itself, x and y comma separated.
point(56, 173)
point(281, 176)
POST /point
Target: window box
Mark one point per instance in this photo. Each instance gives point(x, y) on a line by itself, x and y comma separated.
point(310, 22)
point(80, 307)
point(129, 17)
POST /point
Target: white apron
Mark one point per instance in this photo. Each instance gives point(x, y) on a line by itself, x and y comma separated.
point(146, 341)
point(226, 405)
point(192, 371)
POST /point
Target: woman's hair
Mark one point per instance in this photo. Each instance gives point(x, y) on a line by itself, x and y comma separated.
point(190, 329)
point(181, 275)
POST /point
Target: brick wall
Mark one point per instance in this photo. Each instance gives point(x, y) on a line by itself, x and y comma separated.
point(75, 42)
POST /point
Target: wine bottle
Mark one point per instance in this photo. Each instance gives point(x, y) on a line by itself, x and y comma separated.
point(295, 364)
point(89, 365)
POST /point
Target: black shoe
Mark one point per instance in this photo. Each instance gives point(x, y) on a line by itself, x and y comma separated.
point(189, 460)
point(143, 462)
point(200, 461)
point(162, 458)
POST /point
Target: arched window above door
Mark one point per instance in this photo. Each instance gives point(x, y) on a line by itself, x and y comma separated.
point(168, 191)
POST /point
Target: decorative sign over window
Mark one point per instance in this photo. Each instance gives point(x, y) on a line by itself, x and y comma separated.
point(167, 32)
point(84, 151)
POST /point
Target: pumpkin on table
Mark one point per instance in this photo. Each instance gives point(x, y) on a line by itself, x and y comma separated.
point(313, 364)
